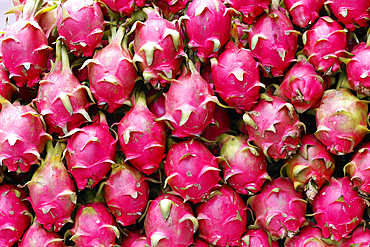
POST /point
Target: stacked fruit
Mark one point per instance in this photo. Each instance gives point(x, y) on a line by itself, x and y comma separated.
point(185, 123)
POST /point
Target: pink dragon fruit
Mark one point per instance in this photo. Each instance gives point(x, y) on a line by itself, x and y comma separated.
point(353, 14)
point(142, 139)
point(198, 242)
point(222, 124)
point(250, 9)
point(94, 226)
point(126, 193)
point(341, 121)
point(74, 14)
point(24, 47)
point(190, 104)
point(173, 6)
point(236, 77)
point(302, 86)
point(170, 222)
point(258, 237)
point(158, 48)
point(52, 192)
point(37, 236)
point(308, 236)
point(22, 136)
point(157, 107)
point(61, 99)
point(360, 238)
point(279, 209)
point(358, 169)
point(192, 170)
point(274, 127)
point(7, 89)
point(273, 41)
point(208, 27)
point(124, 7)
point(304, 12)
point(134, 239)
point(244, 167)
point(88, 170)
point(222, 218)
point(338, 209)
point(311, 167)
point(324, 43)
point(14, 214)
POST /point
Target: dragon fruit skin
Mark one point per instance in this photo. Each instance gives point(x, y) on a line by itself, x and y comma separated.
point(274, 127)
point(279, 209)
point(94, 226)
point(250, 9)
point(173, 6)
point(324, 43)
point(358, 169)
point(192, 170)
point(52, 191)
point(257, 237)
point(222, 124)
point(302, 86)
point(126, 193)
point(14, 215)
point(22, 137)
point(142, 139)
point(27, 40)
point(351, 13)
point(88, 170)
point(338, 209)
point(244, 166)
point(222, 218)
point(37, 236)
point(360, 238)
point(198, 242)
point(208, 27)
point(189, 104)
point(124, 7)
point(311, 167)
point(236, 77)
point(7, 89)
point(158, 48)
point(112, 74)
point(72, 15)
point(61, 99)
point(304, 12)
point(273, 41)
point(170, 222)
point(341, 121)
point(134, 239)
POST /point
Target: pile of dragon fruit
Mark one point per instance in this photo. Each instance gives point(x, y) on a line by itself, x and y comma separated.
point(185, 123)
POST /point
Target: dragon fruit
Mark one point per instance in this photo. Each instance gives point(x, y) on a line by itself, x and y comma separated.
point(304, 12)
point(192, 170)
point(22, 136)
point(158, 48)
point(236, 77)
point(360, 238)
point(244, 167)
point(189, 104)
point(258, 237)
point(222, 218)
point(338, 209)
point(126, 193)
point(112, 75)
point(358, 169)
point(311, 167)
point(14, 214)
point(74, 14)
point(24, 47)
point(279, 209)
point(170, 222)
point(172, 6)
point(36, 236)
point(208, 27)
point(273, 41)
point(341, 121)
point(308, 236)
point(142, 139)
point(302, 86)
point(94, 226)
point(124, 7)
point(274, 127)
point(250, 9)
point(134, 239)
point(198, 242)
point(61, 99)
point(52, 192)
point(7, 89)
point(222, 124)
point(88, 170)
point(324, 43)
point(157, 107)
point(353, 14)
